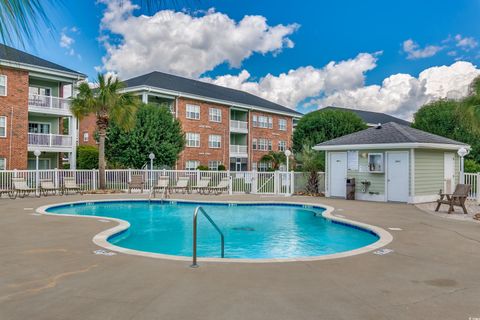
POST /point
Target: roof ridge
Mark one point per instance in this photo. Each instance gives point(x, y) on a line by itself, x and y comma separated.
point(402, 130)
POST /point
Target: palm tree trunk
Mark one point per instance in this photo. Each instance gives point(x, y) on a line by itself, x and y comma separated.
point(101, 158)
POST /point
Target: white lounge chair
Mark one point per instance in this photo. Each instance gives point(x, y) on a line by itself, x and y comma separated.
point(222, 186)
point(21, 187)
point(161, 186)
point(202, 185)
point(69, 184)
point(182, 185)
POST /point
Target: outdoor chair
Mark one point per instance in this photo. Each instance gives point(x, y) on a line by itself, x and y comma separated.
point(8, 191)
point(69, 184)
point(222, 186)
point(136, 182)
point(161, 186)
point(182, 185)
point(22, 189)
point(202, 185)
point(457, 198)
point(47, 186)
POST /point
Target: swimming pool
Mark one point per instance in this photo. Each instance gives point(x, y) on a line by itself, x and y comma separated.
point(252, 230)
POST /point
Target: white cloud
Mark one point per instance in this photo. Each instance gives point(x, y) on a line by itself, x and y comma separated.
point(184, 44)
point(465, 43)
point(403, 94)
point(66, 41)
point(413, 50)
point(293, 87)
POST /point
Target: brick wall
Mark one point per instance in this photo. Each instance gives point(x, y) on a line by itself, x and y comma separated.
point(88, 125)
point(274, 134)
point(14, 146)
point(205, 128)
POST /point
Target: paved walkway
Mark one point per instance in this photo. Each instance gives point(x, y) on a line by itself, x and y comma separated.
point(48, 271)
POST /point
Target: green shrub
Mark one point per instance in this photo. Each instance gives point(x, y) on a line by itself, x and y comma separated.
point(221, 167)
point(202, 168)
point(87, 157)
point(472, 166)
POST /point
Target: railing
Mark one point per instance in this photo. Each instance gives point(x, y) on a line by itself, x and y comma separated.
point(238, 149)
point(48, 102)
point(473, 180)
point(237, 125)
point(49, 140)
point(222, 238)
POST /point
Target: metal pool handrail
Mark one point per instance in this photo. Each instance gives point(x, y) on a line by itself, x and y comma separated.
point(222, 238)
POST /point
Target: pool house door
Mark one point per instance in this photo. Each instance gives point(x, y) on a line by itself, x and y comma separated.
point(338, 174)
point(448, 171)
point(397, 176)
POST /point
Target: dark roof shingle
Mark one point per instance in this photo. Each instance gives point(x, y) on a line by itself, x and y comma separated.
point(389, 133)
point(371, 117)
point(15, 55)
point(199, 88)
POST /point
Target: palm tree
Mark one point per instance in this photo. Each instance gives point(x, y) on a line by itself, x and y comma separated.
point(312, 162)
point(275, 158)
point(108, 103)
point(19, 19)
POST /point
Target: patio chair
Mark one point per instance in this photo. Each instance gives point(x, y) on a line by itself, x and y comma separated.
point(69, 184)
point(182, 185)
point(136, 182)
point(22, 189)
point(222, 186)
point(457, 198)
point(47, 186)
point(8, 191)
point(202, 185)
point(161, 186)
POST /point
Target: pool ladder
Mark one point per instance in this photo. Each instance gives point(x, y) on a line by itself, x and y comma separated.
point(222, 238)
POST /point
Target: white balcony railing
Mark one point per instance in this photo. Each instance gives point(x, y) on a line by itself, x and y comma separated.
point(48, 102)
point(238, 126)
point(238, 149)
point(50, 140)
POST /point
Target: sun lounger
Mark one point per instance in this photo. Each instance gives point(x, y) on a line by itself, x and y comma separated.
point(222, 186)
point(457, 198)
point(8, 191)
point(161, 186)
point(136, 182)
point(47, 186)
point(182, 185)
point(69, 184)
point(21, 187)
point(202, 185)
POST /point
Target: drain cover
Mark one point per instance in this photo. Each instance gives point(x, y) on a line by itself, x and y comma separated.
point(244, 229)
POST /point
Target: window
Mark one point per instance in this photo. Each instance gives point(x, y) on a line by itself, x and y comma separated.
point(262, 144)
point(263, 166)
point(38, 127)
point(39, 91)
point(192, 164)
point(254, 144)
point(213, 165)
point(282, 124)
point(85, 137)
point(3, 164)
point(262, 121)
point(193, 139)
point(214, 141)
point(3, 85)
point(215, 115)
point(282, 145)
point(3, 127)
point(254, 166)
point(193, 111)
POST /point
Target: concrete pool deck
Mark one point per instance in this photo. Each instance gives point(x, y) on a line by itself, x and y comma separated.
point(48, 271)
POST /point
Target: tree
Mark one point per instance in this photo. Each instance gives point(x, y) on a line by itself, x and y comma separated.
point(312, 162)
point(322, 125)
point(275, 159)
point(87, 157)
point(155, 130)
point(108, 103)
point(19, 19)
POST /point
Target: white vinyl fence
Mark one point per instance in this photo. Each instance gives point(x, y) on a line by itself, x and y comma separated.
point(473, 180)
point(269, 183)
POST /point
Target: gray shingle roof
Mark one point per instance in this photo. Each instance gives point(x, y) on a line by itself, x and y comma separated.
point(195, 87)
point(389, 133)
point(12, 54)
point(372, 117)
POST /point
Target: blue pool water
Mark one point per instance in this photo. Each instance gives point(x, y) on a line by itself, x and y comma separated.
point(251, 231)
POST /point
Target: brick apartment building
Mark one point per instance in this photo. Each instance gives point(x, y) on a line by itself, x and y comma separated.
point(35, 111)
point(221, 125)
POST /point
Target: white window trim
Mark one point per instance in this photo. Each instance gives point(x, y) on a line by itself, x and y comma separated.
point(210, 114)
point(193, 133)
point(86, 134)
point(218, 162)
point(197, 163)
point(6, 85)
point(210, 141)
point(42, 123)
point(280, 127)
point(187, 112)
point(6, 125)
point(4, 164)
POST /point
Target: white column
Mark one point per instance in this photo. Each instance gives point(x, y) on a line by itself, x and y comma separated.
point(145, 97)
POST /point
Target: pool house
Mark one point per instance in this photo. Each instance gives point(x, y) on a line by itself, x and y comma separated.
point(391, 162)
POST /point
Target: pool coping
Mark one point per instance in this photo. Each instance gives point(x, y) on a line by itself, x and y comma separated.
point(101, 239)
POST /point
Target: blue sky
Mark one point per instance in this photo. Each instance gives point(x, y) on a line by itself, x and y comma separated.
point(321, 31)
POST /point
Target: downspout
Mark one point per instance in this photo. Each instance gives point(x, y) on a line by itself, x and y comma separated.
point(11, 137)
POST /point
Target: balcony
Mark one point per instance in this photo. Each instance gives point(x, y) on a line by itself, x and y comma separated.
point(48, 104)
point(49, 142)
point(238, 126)
point(238, 151)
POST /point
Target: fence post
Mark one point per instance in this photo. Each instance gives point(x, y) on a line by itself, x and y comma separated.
point(230, 190)
point(94, 179)
point(56, 178)
point(478, 188)
point(292, 183)
point(275, 182)
point(254, 182)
